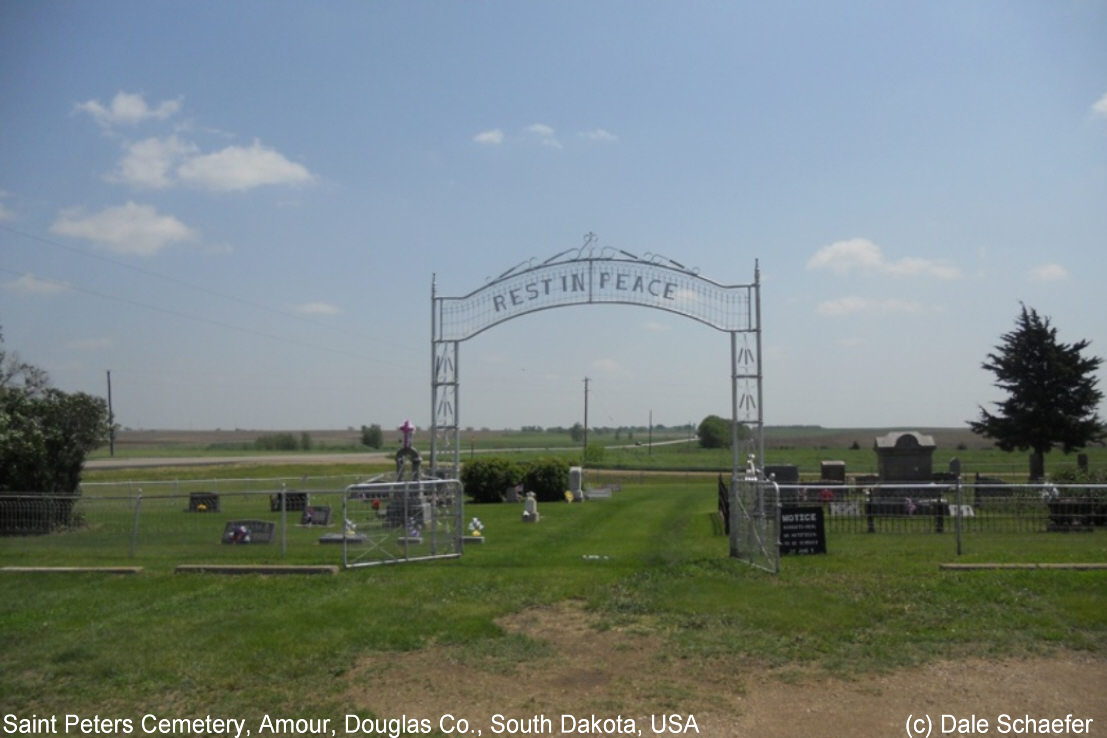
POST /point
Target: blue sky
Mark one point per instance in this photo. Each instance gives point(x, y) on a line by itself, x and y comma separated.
point(237, 208)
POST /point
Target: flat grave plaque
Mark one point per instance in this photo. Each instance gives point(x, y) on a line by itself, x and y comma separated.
point(203, 502)
point(248, 531)
point(316, 515)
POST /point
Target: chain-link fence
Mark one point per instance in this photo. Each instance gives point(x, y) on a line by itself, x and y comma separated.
point(304, 520)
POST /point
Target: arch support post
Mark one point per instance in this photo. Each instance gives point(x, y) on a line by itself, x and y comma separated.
point(445, 442)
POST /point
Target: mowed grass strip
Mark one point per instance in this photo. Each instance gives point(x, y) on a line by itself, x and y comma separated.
point(245, 645)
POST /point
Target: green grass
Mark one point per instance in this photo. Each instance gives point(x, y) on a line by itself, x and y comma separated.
point(206, 644)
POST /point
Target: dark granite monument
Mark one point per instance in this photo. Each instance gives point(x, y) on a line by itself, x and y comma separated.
point(904, 457)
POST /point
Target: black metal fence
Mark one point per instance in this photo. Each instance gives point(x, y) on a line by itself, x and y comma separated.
point(941, 507)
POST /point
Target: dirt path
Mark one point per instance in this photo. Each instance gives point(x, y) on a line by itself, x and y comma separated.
point(624, 674)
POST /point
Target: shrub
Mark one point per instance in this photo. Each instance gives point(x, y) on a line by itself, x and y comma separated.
point(548, 478)
point(487, 478)
point(714, 432)
point(276, 442)
point(371, 436)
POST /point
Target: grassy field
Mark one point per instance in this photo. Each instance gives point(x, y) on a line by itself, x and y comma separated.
point(179, 644)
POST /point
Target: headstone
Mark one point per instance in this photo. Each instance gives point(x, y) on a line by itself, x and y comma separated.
point(1082, 462)
point(576, 476)
point(530, 509)
point(316, 515)
point(203, 502)
point(407, 453)
point(904, 457)
point(406, 503)
point(832, 471)
point(293, 501)
point(248, 531)
point(802, 530)
point(783, 473)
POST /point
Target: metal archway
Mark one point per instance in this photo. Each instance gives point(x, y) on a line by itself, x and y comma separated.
point(594, 275)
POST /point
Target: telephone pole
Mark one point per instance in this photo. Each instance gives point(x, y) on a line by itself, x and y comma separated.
point(111, 421)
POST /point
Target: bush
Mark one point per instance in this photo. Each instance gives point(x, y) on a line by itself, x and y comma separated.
point(276, 442)
point(714, 432)
point(371, 436)
point(486, 479)
point(548, 478)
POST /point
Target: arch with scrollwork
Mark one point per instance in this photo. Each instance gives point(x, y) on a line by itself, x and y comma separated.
point(595, 275)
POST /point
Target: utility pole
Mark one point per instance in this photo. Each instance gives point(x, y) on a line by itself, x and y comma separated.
point(585, 451)
point(650, 442)
point(111, 420)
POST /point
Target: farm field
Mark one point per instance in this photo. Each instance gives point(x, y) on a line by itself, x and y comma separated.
point(804, 446)
point(628, 607)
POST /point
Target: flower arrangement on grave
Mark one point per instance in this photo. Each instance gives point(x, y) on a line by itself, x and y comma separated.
point(412, 528)
point(351, 528)
point(476, 527)
point(201, 507)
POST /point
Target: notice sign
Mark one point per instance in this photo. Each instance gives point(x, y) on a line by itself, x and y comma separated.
point(802, 530)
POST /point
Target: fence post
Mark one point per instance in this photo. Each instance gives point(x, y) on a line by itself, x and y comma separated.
point(134, 529)
point(955, 468)
point(284, 520)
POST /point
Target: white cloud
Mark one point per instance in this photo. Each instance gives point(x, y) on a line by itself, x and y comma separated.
point(599, 134)
point(861, 254)
point(609, 366)
point(1048, 273)
point(242, 168)
point(853, 304)
point(31, 285)
point(545, 134)
point(1100, 106)
point(148, 163)
point(318, 308)
point(126, 229)
point(128, 109)
point(491, 137)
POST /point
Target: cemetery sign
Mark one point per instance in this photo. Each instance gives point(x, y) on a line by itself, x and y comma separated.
point(802, 530)
point(590, 275)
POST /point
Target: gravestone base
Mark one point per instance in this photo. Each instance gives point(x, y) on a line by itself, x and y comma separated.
point(331, 538)
point(472, 539)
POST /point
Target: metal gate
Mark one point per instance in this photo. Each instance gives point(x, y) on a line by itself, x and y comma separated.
point(755, 521)
point(394, 522)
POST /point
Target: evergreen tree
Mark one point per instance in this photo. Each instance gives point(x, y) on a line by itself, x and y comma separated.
point(1052, 395)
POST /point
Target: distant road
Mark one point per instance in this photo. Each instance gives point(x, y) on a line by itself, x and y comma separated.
point(136, 462)
point(375, 457)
